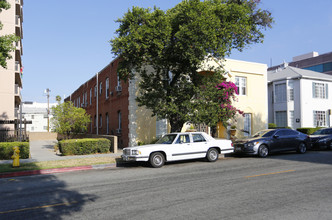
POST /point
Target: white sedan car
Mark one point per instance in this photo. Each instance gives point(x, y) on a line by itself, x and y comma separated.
point(179, 146)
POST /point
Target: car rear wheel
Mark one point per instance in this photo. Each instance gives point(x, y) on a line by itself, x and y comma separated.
point(330, 145)
point(302, 148)
point(157, 160)
point(212, 155)
point(263, 151)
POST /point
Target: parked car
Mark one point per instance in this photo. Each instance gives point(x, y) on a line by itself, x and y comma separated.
point(321, 139)
point(270, 141)
point(179, 146)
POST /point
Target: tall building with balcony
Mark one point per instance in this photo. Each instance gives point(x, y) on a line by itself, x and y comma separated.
point(10, 77)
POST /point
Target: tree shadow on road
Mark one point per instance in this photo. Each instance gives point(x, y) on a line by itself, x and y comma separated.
point(39, 197)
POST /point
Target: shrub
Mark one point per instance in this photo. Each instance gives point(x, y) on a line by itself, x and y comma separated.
point(6, 150)
point(84, 146)
point(272, 126)
point(308, 130)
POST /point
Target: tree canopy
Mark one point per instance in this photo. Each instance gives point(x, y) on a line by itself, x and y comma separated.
point(6, 41)
point(69, 119)
point(174, 43)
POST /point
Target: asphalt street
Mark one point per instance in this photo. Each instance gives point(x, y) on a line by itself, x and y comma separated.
point(283, 186)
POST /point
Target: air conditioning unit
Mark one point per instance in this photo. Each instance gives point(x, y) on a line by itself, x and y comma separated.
point(118, 88)
point(118, 131)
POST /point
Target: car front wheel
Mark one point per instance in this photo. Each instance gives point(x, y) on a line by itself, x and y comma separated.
point(157, 160)
point(212, 155)
point(263, 151)
point(302, 148)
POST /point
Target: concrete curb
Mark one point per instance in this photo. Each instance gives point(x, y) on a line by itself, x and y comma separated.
point(56, 170)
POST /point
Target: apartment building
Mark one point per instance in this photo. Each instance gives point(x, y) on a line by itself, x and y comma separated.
point(36, 114)
point(310, 61)
point(11, 78)
point(111, 104)
point(299, 98)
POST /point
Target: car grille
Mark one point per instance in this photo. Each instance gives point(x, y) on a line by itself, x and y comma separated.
point(126, 151)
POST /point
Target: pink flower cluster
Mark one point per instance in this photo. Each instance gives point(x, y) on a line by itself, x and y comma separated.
point(228, 91)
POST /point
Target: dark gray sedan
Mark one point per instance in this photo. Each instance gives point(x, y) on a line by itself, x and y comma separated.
point(270, 141)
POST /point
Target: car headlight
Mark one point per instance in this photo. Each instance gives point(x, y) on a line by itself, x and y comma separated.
point(135, 152)
point(251, 144)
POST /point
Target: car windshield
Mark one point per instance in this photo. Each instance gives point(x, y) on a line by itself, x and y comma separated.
point(264, 133)
point(167, 139)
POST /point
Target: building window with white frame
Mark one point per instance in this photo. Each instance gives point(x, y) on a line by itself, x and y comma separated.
point(290, 91)
point(107, 87)
point(320, 90)
point(100, 88)
point(119, 122)
point(319, 119)
point(241, 84)
point(280, 93)
point(247, 124)
point(95, 90)
point(281, 119)
point(90, 96)
point(291, 119)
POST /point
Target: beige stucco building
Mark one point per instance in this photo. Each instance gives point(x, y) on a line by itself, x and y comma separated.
point(10, 78)
point(251, 80)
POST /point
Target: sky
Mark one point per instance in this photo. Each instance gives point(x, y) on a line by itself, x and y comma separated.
point(66, 42)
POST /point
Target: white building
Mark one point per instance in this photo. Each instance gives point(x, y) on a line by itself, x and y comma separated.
point(37, 113)
point(299, 98)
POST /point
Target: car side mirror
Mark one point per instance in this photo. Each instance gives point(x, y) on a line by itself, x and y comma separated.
point(275, 136)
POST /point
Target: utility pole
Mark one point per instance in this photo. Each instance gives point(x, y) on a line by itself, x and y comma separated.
point(47, 91)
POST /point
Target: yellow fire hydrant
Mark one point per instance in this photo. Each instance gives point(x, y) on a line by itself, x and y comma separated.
point(16, 157)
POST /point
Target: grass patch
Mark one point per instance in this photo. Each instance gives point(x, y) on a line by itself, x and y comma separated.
point(57, 164)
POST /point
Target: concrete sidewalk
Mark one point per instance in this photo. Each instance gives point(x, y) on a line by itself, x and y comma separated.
point(44, 151)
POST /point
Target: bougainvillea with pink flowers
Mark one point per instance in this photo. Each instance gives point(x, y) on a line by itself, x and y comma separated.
point(227, 92)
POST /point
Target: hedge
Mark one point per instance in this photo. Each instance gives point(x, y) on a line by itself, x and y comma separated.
point(84, 146)
point(6, 150)
point(308, 130)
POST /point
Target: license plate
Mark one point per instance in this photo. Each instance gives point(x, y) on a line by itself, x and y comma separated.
point(238, 149)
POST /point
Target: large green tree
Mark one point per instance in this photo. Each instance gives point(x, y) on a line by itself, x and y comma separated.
point(175, 42)
point(69, 119)
point(6, 41)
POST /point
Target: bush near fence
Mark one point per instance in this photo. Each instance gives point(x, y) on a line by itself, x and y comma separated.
point(84, 146)
point(6, 150)
point(308, 130)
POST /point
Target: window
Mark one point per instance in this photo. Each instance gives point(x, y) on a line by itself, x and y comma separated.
point(281, 119)
point(86, 99)
point(95, 90)
point(247, 125)
point(290, 91)
point(183, 139)
point(90, 96)
point(319, 90)
point(280, 93)
point(32, 117)
point(95, 120)
point(100, 88)
point(241, 83)
point(119, 82)
point(198, 138)
point(107, 124)
point(319, 119)
point(291, 119)
point(107, 88)
point(119, 120)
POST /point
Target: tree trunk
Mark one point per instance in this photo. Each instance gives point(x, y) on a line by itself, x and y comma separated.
point(176, 125)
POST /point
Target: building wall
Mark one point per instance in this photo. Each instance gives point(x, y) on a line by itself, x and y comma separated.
point(117, 101)
point(10, 78)
point(255, 100)
point(303, 104)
